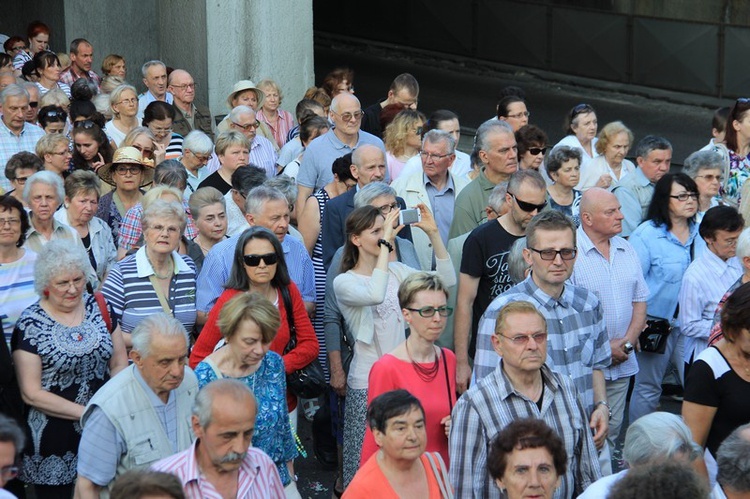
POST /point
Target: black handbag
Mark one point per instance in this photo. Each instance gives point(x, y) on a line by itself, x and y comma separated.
point(653, 339)
point(310, 381)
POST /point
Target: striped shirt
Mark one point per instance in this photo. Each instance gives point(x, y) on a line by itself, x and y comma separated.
point(131, 228)
point(129, 292)
point(492, 404)
point(10, 144)
point(577, 343)
point(16, 290)
point(60, 85)
point(263, 154)
point(283, 125)
point(257, 476)
point(618, 282)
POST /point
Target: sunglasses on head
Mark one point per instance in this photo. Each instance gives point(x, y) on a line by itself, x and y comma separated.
point(254, 260)
point(85, 124)
point(528, 207)
point(581, 109)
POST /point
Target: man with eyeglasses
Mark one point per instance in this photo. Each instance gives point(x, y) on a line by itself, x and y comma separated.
point(653, 155)
point(12, 441)
point(578, 344)
point(196, 151)
point(496, 150)
point(31, 113)
point(522, 384)
point(188, 115)
point(81, 59)
point(484, 264)
point(315, 170)
point(404, 90)
point(608, 265)
point(15, 134)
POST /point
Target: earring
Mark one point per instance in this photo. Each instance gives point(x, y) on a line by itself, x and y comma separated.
point(45, 293)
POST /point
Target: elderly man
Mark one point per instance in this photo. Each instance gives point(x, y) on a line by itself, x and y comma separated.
point(578, 341)
point(81, 58)
point(434, 186)
point(15, 134)
point(315, 170)
point(244, 179)
point(155, 78)
point(404, 90)
point(495, 148)
point(522, 385)
point(484, 263)
point(32, 112)
point(221, 462)
point(609, 266)
point(654, 155)
point(142, 414)
point(267, 208)
point(196, 151)
point(733, 477)
point(12, 440)
point(188, 115)
point(651, 439)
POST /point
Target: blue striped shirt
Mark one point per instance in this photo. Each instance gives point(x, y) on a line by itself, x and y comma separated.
point(129, 292)
point(10, 144)
point(16, 290)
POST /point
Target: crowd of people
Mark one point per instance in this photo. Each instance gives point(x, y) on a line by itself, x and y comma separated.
point(178, 289)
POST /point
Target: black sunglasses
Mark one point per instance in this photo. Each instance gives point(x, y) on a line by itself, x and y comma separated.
point(528, 207)
point(254, 260)
point(85, 124)
point(535, 151)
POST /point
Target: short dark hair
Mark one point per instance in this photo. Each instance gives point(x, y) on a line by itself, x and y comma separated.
point(719, 121)
point(45, 59)
point(528, 433)
point(342, 167)
point(735, 316)
point(651, 143)
point(306, 108)
point(311, 125)
point(52, 114)
point(8, 202)
point(248, 177)
point(658, 210)
point(158, 110)
point(389, 405)
point(548, 220)
point(77, 43)
point(134, 484)
point(529, 135)
point(22, 159)
point(561, 155)
point(238, 277)
point(720, 218)
point(405, 81)
point(437, 117)
point(505, 102)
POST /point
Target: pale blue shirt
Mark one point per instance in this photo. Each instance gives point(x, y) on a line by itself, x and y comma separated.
point(10, 144)
point(634, 194)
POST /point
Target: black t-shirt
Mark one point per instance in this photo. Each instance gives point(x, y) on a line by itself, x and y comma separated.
point(215, 180)
point(485, 255)
point(712, 382)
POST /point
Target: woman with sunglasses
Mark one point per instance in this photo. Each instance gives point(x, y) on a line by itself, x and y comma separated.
point(91, 147)
point(532, 144)
point(417, 364)
point(367, 294)
point(564, 168)
point(666, 243)
point(609, 168)
point(144, 140)
point(259, 267)
point(159, 118)
point(580, 127)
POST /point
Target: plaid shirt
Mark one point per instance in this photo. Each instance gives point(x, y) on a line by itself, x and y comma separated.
point(131, 230)
point(69, 77)
point(577, 344)
point(10, 144)
point(492, 404)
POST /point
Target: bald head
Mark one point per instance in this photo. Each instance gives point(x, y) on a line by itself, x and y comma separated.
point(593, 197)
point(344, 100)
point(368, 164)
point(601, 217)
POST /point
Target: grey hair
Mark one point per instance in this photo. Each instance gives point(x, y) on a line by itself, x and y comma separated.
point(164, 209)
point(198, 142)
point(370, 192)
point(28, 84)
point(203, 404)
point(658, 436)
point(238, 111)
point(83, 181)
point(172, 173)
point(733, 461)
point(158, 323)
point(259, 196)
point(488, 128)
point(205, 196)
point(54, 97)
point(497, 197)
point(517, 265)
point(11, 432)
point(561, 155)
point(13, 90)
point(518, 177)
point(702, 160)
point(114, 97)
point(651, 143)
point(286, 185)
point(101, 103)
point(47, 178)
point(436, 136)
point(743, 244)
point(144, 68)
point(57, 256)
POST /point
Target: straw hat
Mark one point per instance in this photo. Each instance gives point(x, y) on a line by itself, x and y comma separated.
point(127, 156)
point(241, 86)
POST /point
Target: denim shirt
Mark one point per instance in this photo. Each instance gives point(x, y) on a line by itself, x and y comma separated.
point(664, 260)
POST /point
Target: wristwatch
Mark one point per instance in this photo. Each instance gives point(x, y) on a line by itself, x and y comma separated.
point(628, 347)
point(605, 404)
point(383, 242)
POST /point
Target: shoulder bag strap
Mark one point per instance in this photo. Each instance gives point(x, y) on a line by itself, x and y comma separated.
point(213, 367)
point(445, 478)
point(162, 299)
point(445, 491)
point(104, 310)
point(447, 381)
point(287, 300)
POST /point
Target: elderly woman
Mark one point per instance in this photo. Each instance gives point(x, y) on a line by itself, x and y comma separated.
point(249, 322)
point(54, 151)
point(48, 69)
point(278, 120)
point(127, 173)
point(580, 127)
point(417, 364)
point(158, 117)
point(532, 144)
point(209, 210)
point(63, 354)
point(512, 108)
point(665, 247)
point(564, 168)
point(16, 264)
point(707, 169)
point(609, 168)
point(114, 65)
point(82, 192)
point(401, 467)
point(196, 151)
point(156, 278)
point(53, 119)
point(527, 459)
point(718, 382)
point(233, 150)
point(19, 168)
point(403, 140)
point(91, 147)
point(123, 102)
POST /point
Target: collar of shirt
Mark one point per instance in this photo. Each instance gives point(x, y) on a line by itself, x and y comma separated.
point(57, 226)
point(144, 268)
point(484, 182)
point(336, 142)
point(545, 300)
point(641, 179)
point(719, 266)
point(585, 245)
point(7, 131)
point(448, 185)
point(664, 233)
point(505, 388)
point(249, 469)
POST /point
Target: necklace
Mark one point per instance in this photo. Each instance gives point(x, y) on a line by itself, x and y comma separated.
point(169, 272)
point(426, 374)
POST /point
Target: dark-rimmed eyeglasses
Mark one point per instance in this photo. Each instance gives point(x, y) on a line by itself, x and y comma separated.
point(387, 208)
point(551, 254)
point(187, 85)
point(684, 196)
point(427, 312)
point(254, 260)
point(132, 170)
point(248, 126)
point(536, 151)
point(523, 339)
point(528, 207)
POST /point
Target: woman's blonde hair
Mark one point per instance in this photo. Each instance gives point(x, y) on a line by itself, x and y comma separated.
point(250, 307)
point(398, 130)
